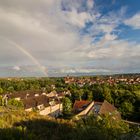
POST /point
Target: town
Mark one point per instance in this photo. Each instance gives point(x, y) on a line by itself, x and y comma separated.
point(105, 102)
point(106, 79)
point(51, 102)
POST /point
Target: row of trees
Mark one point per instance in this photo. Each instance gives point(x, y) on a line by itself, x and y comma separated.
point(125, 97)
point(26, 84)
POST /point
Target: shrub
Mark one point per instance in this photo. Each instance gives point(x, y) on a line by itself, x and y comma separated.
point(16, 103)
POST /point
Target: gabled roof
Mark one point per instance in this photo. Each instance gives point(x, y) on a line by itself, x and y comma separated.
point(41, 100)
point(17, 95)
point(23, 94)
point(107, 108)
point(35, 101)
point(80, 105)
point(29, 103)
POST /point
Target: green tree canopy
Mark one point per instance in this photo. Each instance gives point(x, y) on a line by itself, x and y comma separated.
point(1, 90)
point(107, 94)
point(15, 103)
point(126, 108)
point(67, 106)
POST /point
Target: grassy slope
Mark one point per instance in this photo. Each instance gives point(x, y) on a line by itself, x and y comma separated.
point(20, 125)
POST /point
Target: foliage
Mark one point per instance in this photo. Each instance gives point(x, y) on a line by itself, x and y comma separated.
point(1, 101)
point(126, 108)
point(16, 103)
point(119, 94)
point(20, 125)
point(10, 89)
point(107, 94)
point(67, 106)
point(1, 90)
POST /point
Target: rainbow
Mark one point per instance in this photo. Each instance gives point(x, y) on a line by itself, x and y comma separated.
point(28, 54)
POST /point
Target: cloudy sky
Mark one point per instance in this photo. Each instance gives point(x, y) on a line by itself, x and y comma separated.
point(53, 37)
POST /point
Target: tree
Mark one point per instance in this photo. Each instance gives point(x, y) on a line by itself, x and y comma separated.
point(1, 90)
point(15, 103)
point(67, 106)
point(97, 93)
point(107, 94)
point(10, 89)
point(90, 96)
point(126, 108)
point(1, 101)
point(76, 94)
point(20, 86)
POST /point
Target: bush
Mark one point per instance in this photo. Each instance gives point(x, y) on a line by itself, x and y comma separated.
point(16, 103)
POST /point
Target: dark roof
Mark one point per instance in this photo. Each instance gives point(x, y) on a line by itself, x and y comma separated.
point(29, 103)
point(106, 108)
point(35, 101)
point(23, 94)
point(42, 100)
point(98, 103)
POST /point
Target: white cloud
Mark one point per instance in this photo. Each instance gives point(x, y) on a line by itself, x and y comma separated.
point(110, 36)
point(21, 21)
point(77, 19)
point(83, 70)
point(53, 36)
point(17, 68)
point(117, 49)
point(134, 21)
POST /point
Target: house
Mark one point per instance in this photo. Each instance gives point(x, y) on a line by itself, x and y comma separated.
point(38, 102)
point(80, 105)
point(46, 106)
point(96, 107)
point(29, 104)
point(61, 95)
point(84, 108)
point(52, 94)
point(44, 93)
point(17, 95)
point(105, 108)
point(42, 101)
point(23, 95)
point(54, 109)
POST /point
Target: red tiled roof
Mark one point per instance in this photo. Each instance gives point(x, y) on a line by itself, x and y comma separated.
point(80, 104)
